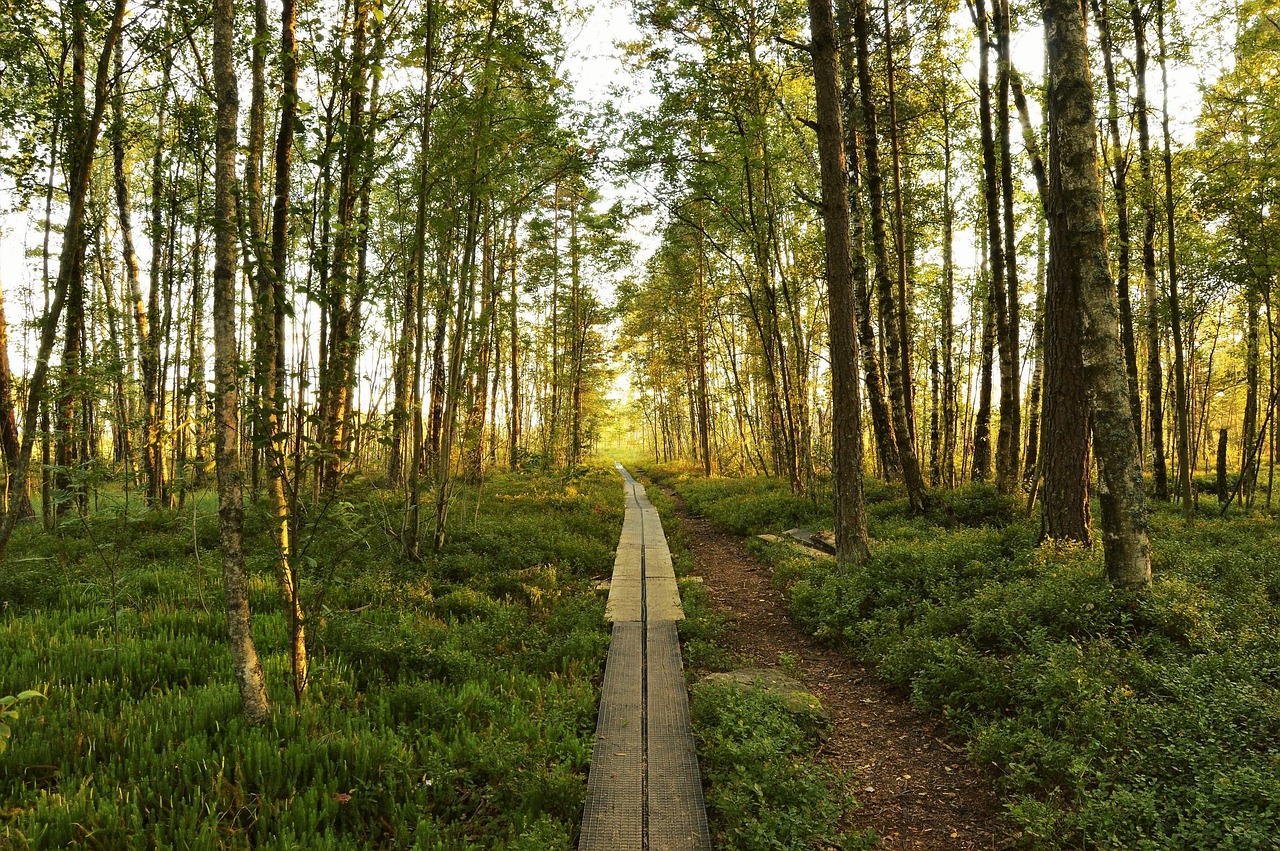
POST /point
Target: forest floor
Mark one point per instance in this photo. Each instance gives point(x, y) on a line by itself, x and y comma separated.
point(915, 788)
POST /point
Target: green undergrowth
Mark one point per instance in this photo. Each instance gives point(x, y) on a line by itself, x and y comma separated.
point(1109, 719)
point(451, 704)
point(766, 787)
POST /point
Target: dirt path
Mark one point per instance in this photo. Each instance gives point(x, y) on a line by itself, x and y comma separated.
point(916, 789)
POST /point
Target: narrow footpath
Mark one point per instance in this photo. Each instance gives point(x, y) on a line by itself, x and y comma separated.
point(644, 791)
point(915, 787)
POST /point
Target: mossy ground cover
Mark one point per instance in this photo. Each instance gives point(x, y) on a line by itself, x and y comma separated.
point(1108, 719)
point(451, 704)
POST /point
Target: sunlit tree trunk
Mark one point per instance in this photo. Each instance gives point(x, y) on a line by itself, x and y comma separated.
point(1078, 263)
point(852, 546)
point(272, 302)
point(244, 654)
point(981, 470)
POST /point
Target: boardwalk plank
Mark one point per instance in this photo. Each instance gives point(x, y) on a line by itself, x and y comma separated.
point(644, 791)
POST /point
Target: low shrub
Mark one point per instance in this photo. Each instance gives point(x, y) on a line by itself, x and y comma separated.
point(764, 794)
point(1112, 719)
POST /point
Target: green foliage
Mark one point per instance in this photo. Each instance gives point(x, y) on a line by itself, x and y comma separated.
point(9, 712)
point(451, 703)
point(764, 791)
point(1114, 719)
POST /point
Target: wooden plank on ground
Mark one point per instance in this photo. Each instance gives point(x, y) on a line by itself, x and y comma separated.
point(644, 790)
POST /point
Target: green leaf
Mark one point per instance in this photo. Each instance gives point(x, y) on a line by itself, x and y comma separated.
point(29, 694)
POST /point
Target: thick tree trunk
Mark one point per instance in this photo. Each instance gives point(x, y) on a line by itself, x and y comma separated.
point(852, 546)
point(244, 654)
point(1078, 261)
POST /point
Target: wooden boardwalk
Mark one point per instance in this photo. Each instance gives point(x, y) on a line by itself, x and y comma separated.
point(644, 792)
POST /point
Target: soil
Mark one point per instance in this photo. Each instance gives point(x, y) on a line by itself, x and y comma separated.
point(914, 785)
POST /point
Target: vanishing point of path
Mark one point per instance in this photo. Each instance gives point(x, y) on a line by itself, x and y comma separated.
point(915, 788)
point(644, 790)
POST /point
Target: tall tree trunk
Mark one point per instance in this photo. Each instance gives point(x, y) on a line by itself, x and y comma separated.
point(342, 342)
point(272, 304)
point(1119, 166)
point(244, 654)
point(473, 434)
point(852, 546)
point(1064, 444)
point(704, 393)
point(1031, 454)
point(881, 417)
point(888, 304)
point(578, 329)
point(1010, 362)
point(147, 317)
point(997, 295)
point(129, 255)
point(255, 249)
point(513, 392)
point(1147, 197)
point(1182, 405)
point(947, 333)
point(1078, 262)
point(64, 408)
point(899, 232)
